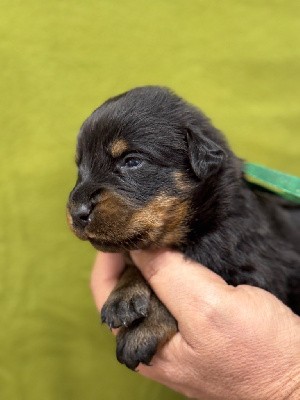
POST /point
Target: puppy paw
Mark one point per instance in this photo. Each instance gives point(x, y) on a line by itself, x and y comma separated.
point(139, 342)
point(124, 306)
point(136, 345)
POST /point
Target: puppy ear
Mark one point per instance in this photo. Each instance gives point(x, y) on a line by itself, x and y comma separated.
point(206, 156)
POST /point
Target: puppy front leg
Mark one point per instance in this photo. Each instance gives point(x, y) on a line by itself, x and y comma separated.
point(129, 301)
point(139, 342)
point(145, 322)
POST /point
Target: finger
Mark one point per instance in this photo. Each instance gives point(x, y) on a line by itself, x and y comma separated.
point(105, 275)
point(184, 286)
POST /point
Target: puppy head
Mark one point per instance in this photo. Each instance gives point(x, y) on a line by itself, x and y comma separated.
point(140, 158)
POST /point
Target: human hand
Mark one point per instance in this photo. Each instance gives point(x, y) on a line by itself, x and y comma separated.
point(233, 342)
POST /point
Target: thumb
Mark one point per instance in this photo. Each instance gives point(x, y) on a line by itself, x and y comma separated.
point(184, 286)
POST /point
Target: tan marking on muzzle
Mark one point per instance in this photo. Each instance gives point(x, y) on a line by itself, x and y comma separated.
point(164, 219)
point(111, 217)
point(162, 222)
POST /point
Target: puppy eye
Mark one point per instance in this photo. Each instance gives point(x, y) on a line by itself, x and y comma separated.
point(132, 162)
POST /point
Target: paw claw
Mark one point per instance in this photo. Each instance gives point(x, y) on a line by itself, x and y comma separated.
point(141, 305)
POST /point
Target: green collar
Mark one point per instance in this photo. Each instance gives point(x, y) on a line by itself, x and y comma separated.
point(287, 186)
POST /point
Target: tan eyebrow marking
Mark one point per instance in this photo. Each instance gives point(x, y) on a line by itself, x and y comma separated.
point(118, 147)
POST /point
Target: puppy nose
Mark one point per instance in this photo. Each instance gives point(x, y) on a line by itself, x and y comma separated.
point(80, 215)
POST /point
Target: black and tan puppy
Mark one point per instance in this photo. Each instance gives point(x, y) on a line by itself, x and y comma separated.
point(153, 172)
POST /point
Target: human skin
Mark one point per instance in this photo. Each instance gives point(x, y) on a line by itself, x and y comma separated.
point(233, 342)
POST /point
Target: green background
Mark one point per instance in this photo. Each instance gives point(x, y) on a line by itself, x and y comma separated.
point(238, 60)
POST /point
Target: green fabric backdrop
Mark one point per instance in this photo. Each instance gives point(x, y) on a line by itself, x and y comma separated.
point(238, 60)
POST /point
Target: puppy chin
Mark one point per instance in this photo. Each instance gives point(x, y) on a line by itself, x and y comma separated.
point(105, 247)
point(111, 246)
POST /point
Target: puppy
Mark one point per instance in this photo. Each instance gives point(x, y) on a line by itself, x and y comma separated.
point(153, 172)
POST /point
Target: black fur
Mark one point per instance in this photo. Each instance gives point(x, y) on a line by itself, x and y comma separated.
point(243, 233)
